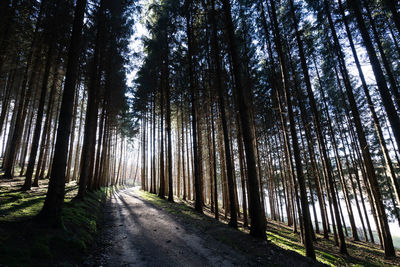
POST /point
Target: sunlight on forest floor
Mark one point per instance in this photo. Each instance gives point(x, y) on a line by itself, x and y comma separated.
point(23, 242)
point(17, 205)
point(361, 253)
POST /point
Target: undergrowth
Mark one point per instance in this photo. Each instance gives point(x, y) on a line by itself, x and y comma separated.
point(24, 242)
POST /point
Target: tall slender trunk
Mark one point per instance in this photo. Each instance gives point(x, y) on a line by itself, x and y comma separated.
point(189, 162)
point(305, 213)
point(221, 101)
point(5, 104)
point(39, 119)
point(222, 160)
point(143, 177)
point(197, 177)
point(161, 192)
point(44, 147)
point(168, 126)
point(385, 61)
point(15, 132)
point(24, 96)
point(379, 76)
point(313, 109)
point(99, 146)
point(71, 143)
point(51, 211)
point(243, 178)
point(215, 184)
point(153, 161)
point(387, 238)
point(257, 228)
point(388, 162)
point(27, 134)
point(183, 150)
point(351, 178)
point(326, 164)
point(89, 137)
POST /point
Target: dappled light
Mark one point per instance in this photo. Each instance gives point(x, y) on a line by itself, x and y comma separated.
point(199, 133)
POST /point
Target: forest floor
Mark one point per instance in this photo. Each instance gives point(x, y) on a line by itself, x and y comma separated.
point(24, 242)
point(282, 242)
point(140, 229)
point(360, 253)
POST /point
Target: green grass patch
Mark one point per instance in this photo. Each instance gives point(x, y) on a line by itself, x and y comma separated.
point(182, 210)
point(361, 253)
point(24, 242)
point(285, 242)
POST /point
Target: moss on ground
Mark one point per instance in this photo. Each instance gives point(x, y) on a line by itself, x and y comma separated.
point(286, 241)
point(24, 242)
point(360, 253)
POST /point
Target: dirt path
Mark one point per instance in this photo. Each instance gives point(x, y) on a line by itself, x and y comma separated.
point(137, 233)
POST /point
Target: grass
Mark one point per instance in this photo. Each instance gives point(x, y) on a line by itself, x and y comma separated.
point(361, 253)
point(176, 208)
point(288, 240)
point(23, 242)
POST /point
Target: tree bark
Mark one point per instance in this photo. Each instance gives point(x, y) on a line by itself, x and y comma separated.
point(387, 238)
point(221, 101)
point(257, 228)
point(388, 162)
point(51, 211)
point(197, 174)
point(379, 76)
point(39, 118)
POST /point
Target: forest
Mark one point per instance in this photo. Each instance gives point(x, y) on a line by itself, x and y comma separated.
point(267, 121)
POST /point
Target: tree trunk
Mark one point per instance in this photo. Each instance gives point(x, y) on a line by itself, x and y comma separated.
point(387, 238)
point(39, 119)
point(71, 143)
point(299, 168)
point(51, 211)
point(257, 228)
point(326, 164)
point(161, 192)
point(183, 151)
point(197, 171)
point(221, 101)
point(379, 76)
point(388, 162)
point(168, 128)
point(45, 140)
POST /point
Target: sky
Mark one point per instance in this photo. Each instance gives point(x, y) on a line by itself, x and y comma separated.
point(136, 44)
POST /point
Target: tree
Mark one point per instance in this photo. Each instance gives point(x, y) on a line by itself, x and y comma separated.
point(51, 211)
point(257, 228)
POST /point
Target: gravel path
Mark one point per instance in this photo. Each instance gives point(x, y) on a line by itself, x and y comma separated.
point(138, 233)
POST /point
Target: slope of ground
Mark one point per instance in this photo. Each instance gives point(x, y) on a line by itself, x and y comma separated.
point(361, 253)
point(26, 243)
point(143, 230)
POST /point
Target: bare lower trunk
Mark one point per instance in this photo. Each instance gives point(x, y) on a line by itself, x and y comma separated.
point(51, 211)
